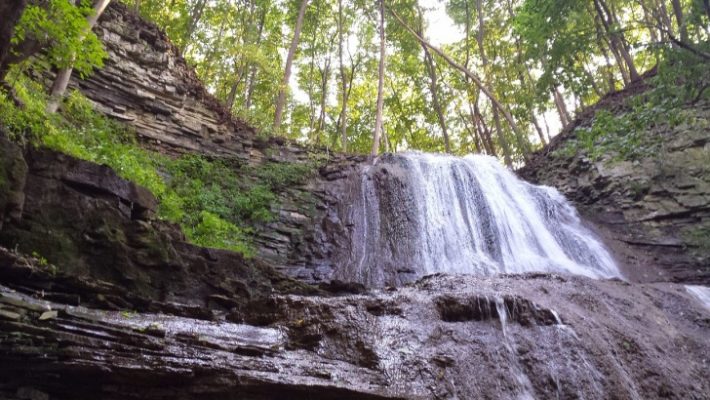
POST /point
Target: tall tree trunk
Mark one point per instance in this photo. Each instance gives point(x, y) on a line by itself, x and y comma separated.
point(604, 44)
point(433, 86)
point(59, 87)
point(678, 12)
point(502, 141)
point(232, 96)
point(342, 120)
point(380, 83)
point(472, 131)
point(497, 105)
point(252, 67)
point(325, 75)
point(561, 107)
point(281, 99)
point(11, 11)
point(487, 135)
point(193, 19)
point(469, 89)
point(618, 42)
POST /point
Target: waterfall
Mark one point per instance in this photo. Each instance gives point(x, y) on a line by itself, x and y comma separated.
point(418, 214)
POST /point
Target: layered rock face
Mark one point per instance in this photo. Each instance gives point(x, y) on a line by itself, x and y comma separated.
point(148, 85)
point(101, 230)
point(653, 211)
point(534, 336)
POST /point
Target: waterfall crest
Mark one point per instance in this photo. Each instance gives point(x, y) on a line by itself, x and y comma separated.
point(418, 214)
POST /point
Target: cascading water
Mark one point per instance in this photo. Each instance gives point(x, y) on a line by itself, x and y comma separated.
point(418, 214)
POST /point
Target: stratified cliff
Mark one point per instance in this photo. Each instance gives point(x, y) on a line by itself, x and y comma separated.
point(654, 208)
point(148, 85)
point(123, 308)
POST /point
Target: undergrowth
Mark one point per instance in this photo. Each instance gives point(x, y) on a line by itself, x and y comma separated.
point(216, 201)
point(681, 79)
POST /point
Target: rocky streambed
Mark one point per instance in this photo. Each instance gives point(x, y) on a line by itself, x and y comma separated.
point(528, 336)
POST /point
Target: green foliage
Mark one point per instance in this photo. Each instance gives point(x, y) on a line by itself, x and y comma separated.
point(61, 28)
point(626, 135)
point(212, 231)
point(216, 201)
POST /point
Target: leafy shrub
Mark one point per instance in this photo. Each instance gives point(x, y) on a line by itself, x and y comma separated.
point(60, 26)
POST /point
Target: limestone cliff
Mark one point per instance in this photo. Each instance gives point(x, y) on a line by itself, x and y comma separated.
point(132, 311)
point(654, 210)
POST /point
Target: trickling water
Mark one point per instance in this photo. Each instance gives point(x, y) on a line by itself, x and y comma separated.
point(419, 214)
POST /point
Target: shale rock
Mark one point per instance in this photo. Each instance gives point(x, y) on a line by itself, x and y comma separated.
point(84, 222)
point(444, 337)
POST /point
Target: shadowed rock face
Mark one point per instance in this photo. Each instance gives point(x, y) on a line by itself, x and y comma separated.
point(444, 337)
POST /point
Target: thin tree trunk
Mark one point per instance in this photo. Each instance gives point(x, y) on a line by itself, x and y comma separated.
point(59, 87)
point(561, 107)
point(252, 67)
point(487, 135)
point(342, 120)
point(502, 141)
point(325, 74)
point(433, 86)
point(496, 104)
point(380, 83)
point(11, 11)
point(547, 128)
point(469, 91)
point(232, 96)
point(194, 19)
point(618, 42)
point(472, 131)
point(281, 99)
point(540, 134)
point(429, 61)
point(678, 12)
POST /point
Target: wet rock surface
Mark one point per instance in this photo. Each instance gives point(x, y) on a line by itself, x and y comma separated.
point(443, 337)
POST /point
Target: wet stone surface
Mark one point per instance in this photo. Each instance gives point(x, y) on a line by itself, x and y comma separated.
point(444, 337)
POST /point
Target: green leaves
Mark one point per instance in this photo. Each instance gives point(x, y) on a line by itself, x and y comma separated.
point(61, 28)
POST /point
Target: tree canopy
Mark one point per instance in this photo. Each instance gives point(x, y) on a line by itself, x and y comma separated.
point(505, 77)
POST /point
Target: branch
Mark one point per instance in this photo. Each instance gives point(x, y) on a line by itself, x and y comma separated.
point(467, 72)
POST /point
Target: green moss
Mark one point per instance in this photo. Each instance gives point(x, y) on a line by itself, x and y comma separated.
point(697, 238)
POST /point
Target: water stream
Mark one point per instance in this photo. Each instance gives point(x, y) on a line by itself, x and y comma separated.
point(418, 214)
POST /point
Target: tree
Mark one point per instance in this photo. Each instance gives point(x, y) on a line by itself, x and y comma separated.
point(61, 82)
point(57, 28)
point(380, 82)
point(434, 85)
point(281, 99)
point(476, 80)
point(11, 10)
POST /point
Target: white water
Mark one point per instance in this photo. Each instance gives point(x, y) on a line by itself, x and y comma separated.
point(419, 214)
point(702, 293)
